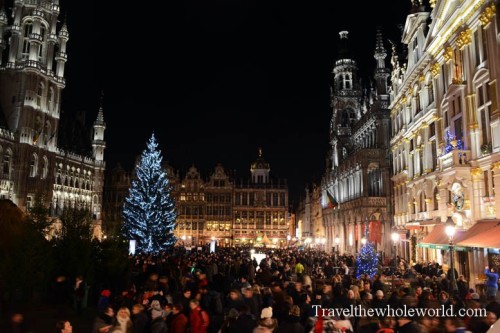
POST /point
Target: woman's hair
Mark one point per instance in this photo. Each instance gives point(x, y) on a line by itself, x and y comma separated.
point(60, 326)
point(124, 309)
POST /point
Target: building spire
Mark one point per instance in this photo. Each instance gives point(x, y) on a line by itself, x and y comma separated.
point(100, 114)
point(98, 144)
point(381, 72)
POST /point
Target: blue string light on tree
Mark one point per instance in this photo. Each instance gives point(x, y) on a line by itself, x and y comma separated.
point(452, 142)
point(368, 259)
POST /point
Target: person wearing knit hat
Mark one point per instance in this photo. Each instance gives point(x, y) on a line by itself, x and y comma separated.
point(266, 313)
point(267, 320)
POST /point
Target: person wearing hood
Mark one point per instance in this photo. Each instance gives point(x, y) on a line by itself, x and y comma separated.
point(158, 323)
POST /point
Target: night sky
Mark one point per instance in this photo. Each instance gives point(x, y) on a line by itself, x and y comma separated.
point(227, 76)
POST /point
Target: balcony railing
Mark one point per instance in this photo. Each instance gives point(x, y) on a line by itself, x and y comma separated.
point(455, 158)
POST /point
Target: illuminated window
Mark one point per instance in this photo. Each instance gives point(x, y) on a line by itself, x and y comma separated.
point(33, 166)
point(28, 29)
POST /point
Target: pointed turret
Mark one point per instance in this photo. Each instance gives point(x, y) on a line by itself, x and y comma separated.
point(381, 72)
point(98, 143)
point(61, 56)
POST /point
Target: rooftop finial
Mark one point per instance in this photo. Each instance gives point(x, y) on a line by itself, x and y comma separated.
point(343, 34)
point(101, 100)
point(380, 43)
point(260, 152)
point(100, 114)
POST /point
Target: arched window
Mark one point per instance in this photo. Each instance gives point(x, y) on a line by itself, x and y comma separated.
point(27, 31)
point(40, 47)
point(33, 166)
point(45, 170)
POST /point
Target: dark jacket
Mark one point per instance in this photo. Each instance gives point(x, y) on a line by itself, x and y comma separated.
point(290, 325)
point(140, 322)
point(244, 324)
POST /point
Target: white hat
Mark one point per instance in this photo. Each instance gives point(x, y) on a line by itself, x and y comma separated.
point(267, 312)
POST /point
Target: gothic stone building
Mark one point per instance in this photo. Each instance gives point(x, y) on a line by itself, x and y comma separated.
point(356, 185)
point(32, 59)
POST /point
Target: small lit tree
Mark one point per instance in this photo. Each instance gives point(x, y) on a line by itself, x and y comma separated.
point(367, 261)
point(149, 209)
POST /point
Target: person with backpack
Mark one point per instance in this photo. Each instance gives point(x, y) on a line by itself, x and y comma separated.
point(198, 318)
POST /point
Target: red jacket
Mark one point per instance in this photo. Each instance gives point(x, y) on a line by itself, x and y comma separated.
point(198, 320)
point(179, 323)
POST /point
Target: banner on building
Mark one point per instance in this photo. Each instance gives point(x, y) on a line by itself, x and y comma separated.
point(375, 231)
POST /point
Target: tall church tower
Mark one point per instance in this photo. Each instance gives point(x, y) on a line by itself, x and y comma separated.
point(32, 58)
point(345, 101)
point(98, 143)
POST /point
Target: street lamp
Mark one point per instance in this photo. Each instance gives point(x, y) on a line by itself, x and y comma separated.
point(323, 242)
point(450, 230)
point(288, 237)
point(395, 239)
point(337, 242)
point(363, 241)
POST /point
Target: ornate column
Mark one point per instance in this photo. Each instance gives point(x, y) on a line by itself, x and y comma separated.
point(477, 206)
point(496, 184)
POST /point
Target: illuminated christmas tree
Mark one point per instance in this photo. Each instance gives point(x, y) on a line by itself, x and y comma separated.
point(149, 209)
point(367, 261)
point(452, 143)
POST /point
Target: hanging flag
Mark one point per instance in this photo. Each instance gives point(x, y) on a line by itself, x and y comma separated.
point(331, 202)
point(37, 136)
point(375, 233)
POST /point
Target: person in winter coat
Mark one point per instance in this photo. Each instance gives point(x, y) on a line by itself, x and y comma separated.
point(198, 318)
point(267, 320)
point(140, 318)
point(245, 323)
point(158, 323)
point(491, 283)
point(291, 324)
point(104, 321)
point(179, 321)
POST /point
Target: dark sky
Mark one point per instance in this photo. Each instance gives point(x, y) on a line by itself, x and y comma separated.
point(226, 76)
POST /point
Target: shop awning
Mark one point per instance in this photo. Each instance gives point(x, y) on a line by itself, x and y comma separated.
point(437, 239)
point(484, 234)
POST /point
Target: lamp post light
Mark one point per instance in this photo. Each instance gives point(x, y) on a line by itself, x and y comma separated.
point(288, 238)
point(450, 230)
point(363, 241)
point(395, 239)
point(337, 242)
point(323, 242)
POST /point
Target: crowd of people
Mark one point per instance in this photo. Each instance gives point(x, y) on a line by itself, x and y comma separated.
point(288, 291)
